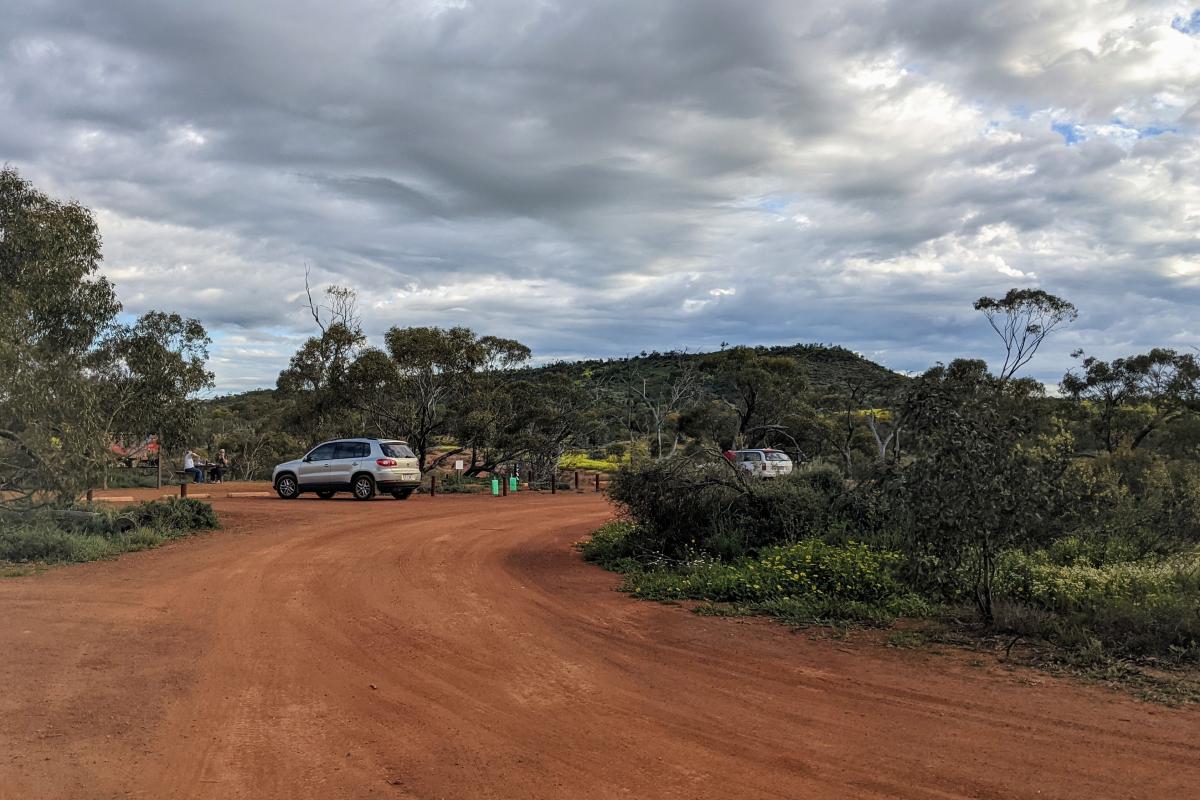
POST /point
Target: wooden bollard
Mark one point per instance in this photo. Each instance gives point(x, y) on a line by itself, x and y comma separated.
point(183, 488)
point(433, 485)
point(597, 481)
point(89, 495)
point(504, 486)
point(553, 482)
point(577, 480)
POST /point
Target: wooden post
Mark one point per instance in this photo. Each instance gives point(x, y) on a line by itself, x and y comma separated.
point(183, 486)
point(577, 480)
point(160, 458)
point(433, 485)
point(504, 485)
point(553, 481)
point(597, 481)
point(89, 495)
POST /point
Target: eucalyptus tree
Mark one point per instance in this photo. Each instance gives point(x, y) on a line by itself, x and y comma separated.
point(1023, 319)
point(70, 374)
point(428, 383)
point(1131, 398)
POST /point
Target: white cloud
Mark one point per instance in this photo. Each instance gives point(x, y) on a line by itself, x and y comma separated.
point(599, 178)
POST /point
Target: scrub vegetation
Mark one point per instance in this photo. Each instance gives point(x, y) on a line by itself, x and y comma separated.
point(1066, 526)
point(86, 534)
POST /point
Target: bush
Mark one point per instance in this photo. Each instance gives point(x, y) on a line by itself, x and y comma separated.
point(809, 568)
point(457, 484)
point(809, 581)
point(1127, 609)
point(1036, 579)
point(595, 463)
point(683, 507)
point(612, 547)
point(42, 539)
point(175, 516)
point(1131, 505)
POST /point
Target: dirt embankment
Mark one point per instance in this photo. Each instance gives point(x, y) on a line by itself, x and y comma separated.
point(456, 647)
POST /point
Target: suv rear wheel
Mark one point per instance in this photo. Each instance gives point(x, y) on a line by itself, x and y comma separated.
point(364, 487)
point(286, 486)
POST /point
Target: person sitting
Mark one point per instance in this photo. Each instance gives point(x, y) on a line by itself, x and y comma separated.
point(189, 466)
point(220, 464)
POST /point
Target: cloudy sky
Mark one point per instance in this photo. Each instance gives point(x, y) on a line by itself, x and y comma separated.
point(602, 177)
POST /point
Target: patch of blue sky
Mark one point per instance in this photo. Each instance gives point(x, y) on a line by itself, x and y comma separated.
point(1155, 130)
point(1071, 133)
point(1146, 131)
point(1189, 25)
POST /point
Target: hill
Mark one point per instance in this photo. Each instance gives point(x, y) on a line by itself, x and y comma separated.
point(825, 367)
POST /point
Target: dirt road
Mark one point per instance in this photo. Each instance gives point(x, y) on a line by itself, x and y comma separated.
point(456, 647)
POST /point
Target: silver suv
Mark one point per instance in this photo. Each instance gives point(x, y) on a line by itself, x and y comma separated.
point(359, 466)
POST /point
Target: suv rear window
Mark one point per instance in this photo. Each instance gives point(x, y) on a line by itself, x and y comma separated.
point(777, 456)
point(396, 450)
point(352, 450)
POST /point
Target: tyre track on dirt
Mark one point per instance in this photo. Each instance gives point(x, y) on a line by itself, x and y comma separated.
point(457, 647)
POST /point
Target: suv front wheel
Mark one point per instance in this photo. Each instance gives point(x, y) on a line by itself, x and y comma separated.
point(286, 487)
point(364, 487)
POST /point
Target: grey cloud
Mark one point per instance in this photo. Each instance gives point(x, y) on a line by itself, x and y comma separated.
point(600, 178)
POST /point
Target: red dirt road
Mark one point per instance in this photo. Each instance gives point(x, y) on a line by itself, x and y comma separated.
point(456, 647)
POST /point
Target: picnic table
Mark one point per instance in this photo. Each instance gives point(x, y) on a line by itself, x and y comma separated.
point(207, 466)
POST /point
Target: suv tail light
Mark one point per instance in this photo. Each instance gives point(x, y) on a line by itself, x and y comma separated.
point(386, 462)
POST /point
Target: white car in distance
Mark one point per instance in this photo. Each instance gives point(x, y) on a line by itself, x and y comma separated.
point(766, 463)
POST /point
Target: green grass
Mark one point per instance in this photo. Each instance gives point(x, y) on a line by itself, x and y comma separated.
point(135, 477)
point(1147, 609)
point(42, 541)
point(808, 582)
point(582, 461)
point(456, 484)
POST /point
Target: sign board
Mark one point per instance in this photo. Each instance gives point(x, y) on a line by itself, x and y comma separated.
point(458, 465)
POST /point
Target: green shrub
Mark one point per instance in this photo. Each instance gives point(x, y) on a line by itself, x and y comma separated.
point(683, 507)
point(809, 568)
point(457, 484)
point(173, 516)
point(825, 478)
point(595, 460)
point(1128, 609)
point(42, 539)
point(805, 582)
point(1037, 580)
point(1128, 506)
point(42, 542)
point(612, 546)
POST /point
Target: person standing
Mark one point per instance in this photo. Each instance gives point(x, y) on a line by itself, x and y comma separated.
point(189, 466)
